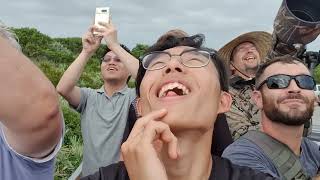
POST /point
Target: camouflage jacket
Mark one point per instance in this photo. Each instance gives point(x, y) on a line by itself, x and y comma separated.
point(243, 115)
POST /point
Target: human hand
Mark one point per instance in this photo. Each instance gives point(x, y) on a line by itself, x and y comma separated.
point(109, 34)
point(90, 42)
point(141, 151)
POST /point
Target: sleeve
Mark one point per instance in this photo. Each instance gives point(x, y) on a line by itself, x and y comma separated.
point(243, 153)
point(46, 159)
point(84, 95)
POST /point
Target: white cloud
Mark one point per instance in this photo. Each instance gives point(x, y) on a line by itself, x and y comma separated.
point(143, 21)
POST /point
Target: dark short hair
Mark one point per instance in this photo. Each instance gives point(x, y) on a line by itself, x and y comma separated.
point(108, 50)
point(195, 41)
point(286, 59)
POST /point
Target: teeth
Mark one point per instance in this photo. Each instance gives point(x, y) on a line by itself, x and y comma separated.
point(171, 86)
point(247, 58)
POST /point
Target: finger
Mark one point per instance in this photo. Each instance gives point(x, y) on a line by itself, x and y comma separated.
point(104, 24)
point(162, 130)
point(130, 145)
point(140, 123)
point(91, 29)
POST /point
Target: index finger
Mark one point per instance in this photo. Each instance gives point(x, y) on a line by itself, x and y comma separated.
point(140, 123)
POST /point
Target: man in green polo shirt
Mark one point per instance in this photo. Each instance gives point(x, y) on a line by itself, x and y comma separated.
point(103, 111)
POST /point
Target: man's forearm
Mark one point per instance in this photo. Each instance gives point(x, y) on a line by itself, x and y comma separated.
point(129, 61)
point(71, 76)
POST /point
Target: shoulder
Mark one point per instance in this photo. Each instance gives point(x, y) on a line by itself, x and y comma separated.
point(310, 150)
point(224, 169)
point(131, 92)
point(242, 146)
point(244, 152)
point(115, 171)
point(308, 143)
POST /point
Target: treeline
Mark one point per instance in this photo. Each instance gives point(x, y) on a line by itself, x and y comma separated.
point(54, 55)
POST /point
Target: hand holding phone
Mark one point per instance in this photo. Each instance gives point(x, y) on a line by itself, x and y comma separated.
point(102, 15)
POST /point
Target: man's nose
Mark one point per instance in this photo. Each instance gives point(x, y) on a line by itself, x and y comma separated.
point(174, 65)
point(293, 87)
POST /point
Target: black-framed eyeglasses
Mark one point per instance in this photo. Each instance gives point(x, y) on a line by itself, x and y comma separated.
point(192, 58)
point(282, 81)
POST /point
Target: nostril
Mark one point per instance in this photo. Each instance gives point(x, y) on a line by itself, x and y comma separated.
point(168, 70)
point(178, 69)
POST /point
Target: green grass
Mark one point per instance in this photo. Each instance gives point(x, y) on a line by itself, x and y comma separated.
point(70, 155)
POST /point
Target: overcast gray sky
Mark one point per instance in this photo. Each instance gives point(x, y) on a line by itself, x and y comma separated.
point(143, 21)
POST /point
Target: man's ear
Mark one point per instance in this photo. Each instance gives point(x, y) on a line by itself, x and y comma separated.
point(231, 67)
point(225, 102)
point(138, 107)
point(257, 98)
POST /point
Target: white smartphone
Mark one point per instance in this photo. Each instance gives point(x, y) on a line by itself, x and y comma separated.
point(102, 15)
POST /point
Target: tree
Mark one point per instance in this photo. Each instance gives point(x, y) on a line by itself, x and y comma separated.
point(139, 50)
point(316, 74)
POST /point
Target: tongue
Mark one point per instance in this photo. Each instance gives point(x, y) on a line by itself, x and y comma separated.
point(171, 93)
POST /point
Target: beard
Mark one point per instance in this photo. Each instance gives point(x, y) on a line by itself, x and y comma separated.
point(293, 117)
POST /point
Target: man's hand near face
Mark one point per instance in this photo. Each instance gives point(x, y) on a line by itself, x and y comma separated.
point(142, 149)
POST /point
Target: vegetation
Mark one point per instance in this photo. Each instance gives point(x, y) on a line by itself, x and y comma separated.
point(53, 56)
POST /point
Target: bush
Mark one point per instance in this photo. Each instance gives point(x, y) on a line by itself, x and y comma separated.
point(70, 155)
point(51, 70)
point(316, 74)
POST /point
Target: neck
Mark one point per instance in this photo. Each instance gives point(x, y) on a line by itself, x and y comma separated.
point(289, 135)
point(246, 74)
point(194, 161)
point(111, 87)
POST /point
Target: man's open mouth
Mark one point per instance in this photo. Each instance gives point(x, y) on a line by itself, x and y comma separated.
point(112, 69)
point(173, 89)
point(249, 58)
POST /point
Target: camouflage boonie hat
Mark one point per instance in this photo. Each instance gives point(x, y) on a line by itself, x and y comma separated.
point(262, 40)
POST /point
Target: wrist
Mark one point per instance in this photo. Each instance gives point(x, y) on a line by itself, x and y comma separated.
point(86, 54)
point(112, 46)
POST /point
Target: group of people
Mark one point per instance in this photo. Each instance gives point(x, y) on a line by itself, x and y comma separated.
point(195, 113)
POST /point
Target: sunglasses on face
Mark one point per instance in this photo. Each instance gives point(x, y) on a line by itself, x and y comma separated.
point(282, 81)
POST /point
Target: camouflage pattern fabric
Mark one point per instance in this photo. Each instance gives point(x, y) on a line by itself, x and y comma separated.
point(289, 30)
point(243, 115)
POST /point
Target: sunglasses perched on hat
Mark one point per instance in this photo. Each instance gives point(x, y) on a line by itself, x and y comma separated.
point(282, 81)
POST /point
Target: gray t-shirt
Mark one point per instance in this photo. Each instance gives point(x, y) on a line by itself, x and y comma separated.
point(103, 120)
point(243, 152)
point(15, 166)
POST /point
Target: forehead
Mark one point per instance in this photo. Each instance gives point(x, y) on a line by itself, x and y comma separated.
point(110, 54)
point(284, 68)
point(178, 49)
point(244, 44)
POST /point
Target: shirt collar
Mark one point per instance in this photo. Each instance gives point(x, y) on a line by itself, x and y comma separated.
point(124, 90)
point(238, 82)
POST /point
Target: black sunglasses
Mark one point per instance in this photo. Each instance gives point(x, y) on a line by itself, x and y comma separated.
point(281, 81)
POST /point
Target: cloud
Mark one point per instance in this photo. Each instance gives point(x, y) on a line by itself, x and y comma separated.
point(143, 21)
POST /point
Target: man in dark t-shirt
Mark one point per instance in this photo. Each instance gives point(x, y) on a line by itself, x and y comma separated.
point(182, 87)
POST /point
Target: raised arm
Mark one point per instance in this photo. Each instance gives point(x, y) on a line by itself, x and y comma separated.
point(109, 34)
point(67, 84)
point(29, 107)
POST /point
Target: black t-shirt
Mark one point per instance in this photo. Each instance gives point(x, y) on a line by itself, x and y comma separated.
point(222, 169)
point(221, 134)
